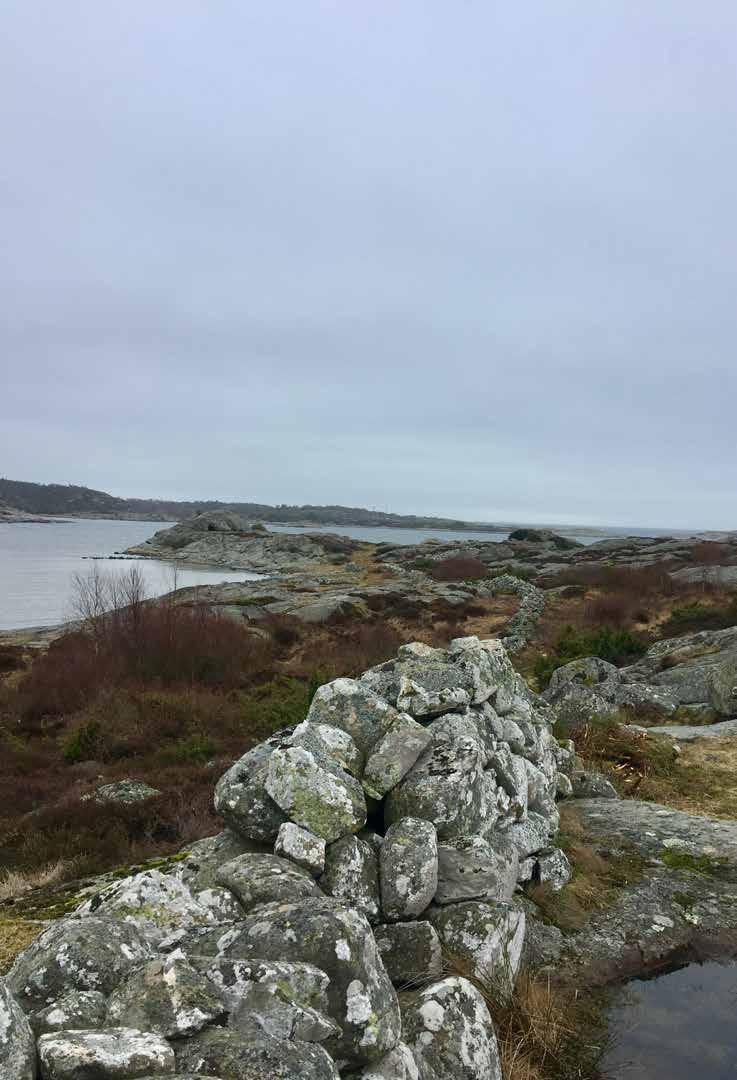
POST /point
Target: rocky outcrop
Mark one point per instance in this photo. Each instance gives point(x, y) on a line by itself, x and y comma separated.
point(221, 538)
point(680, 905)
point(384, 834)
point(695, 674)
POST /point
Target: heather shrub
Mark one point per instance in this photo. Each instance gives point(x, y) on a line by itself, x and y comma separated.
point(459, 568)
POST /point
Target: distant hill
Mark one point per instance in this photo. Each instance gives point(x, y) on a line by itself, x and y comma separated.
point(72, 500)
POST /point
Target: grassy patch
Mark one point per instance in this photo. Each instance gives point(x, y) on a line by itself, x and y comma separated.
point(614, 644)
point(700, 615)
point(544, 1032)
point(15, 935)
point(598, 876)
point(704, 865)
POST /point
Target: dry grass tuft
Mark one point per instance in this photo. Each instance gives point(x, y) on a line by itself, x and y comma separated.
point(15, 883)
point(544, 1032)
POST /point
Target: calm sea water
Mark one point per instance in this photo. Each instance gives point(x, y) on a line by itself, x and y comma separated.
point(379, 534)
point(676, 1027)
point(37, 563)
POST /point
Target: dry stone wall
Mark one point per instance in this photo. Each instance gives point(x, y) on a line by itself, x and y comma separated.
point(389, 831)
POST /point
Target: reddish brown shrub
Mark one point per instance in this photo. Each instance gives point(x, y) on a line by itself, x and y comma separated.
point(459, 568)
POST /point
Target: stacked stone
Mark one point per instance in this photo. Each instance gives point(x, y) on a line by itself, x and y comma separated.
point(386, 833)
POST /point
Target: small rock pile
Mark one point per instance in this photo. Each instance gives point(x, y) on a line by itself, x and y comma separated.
point(387, 832)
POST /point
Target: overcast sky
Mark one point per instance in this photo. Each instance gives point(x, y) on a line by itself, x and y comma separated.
point(469, 258)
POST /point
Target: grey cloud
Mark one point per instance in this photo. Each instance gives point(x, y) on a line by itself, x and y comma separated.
point(463, 259)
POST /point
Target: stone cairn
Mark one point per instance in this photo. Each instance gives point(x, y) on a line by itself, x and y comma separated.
point(378, 845)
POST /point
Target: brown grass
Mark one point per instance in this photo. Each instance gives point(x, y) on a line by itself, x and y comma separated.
point(543, 1032)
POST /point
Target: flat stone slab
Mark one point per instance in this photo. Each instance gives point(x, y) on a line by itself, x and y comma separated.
point(691, 732)
point(684, 907)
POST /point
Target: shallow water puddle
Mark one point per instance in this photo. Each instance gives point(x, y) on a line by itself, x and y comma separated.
point(676, 1026)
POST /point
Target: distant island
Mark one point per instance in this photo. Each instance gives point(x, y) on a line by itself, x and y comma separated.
point(70, 500)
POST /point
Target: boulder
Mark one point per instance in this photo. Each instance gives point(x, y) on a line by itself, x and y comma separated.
point(315, 793)
point(411, 951)
point(529, 836)
point(586, 784)
point(445, 786)
point(229, 1053)
point(124, 791)
point(155, 903)
point(258, 879)
point(398, 1064)
point(301, 847)
point(75, 954)
point(199, 866)
point(471, 868)
point(241, 797)
point(167, 996)
point(553, 869)
point(265, 1009)
point(221, 904)
point(489, 936)
point(17, 1045)
point(113, 1054)
point(338, 940)
point(77, 1010)
point(326, 741)
point(449, 1031)
point(352, 874)
point(353, 707)
point(299, 983)
point(394, 755)
point(408, 868)
point(427, 682)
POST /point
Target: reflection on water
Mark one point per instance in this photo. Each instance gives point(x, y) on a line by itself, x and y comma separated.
point(679, 1026)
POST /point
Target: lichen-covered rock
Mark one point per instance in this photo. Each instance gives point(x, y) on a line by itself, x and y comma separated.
point(124, 791)
point(353, 707)
point(327, 741)
point(563, 786)
point(394, 755)
point(302, 847)
point(338, 940)
point(233, 1055)
point(408, 868)
point(427, 682)
point(586, 784)
point(264, 1008)
point(449, 1031)
point(411, 951)
point(156, 903)
point(529, 836)
point(202, 859)
point(75, 954)
point(352, 874)
point(259, 879)
point(77, 1010)
point(165, 995)
point(221, 904)
point(511, 775)
point(299, 983)
point(315, 793)
point(17, 1045)
point(489, 935)
point(398, 1064)
point(445, 786)
point(415, 700)
point(112, 1054)
point(241, 797)
point(471, 868)
point(553, 869)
